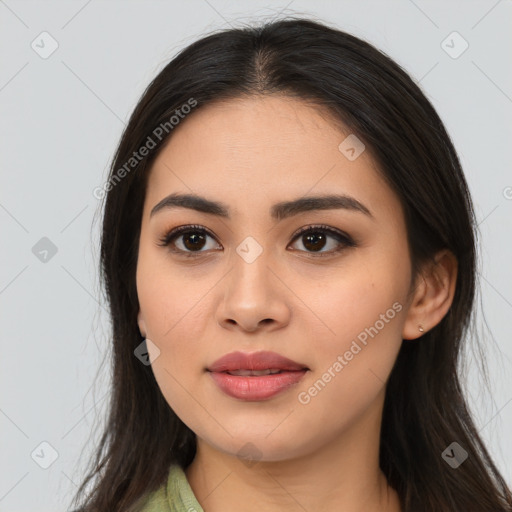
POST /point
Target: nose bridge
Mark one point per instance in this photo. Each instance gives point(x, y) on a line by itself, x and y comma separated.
point(249, 280)
point(252, 294)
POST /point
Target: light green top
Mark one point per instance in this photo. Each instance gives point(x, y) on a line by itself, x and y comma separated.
point(174, 496)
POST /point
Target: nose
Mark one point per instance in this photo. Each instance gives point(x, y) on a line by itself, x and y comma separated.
point(254, 298)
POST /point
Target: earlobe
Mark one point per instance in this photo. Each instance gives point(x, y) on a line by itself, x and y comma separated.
point(142, 324)
point(433, 295)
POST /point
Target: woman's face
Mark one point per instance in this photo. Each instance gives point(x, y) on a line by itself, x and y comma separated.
point(334, 300)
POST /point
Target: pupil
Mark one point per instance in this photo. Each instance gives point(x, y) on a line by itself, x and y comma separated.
point(194, 238)
point(313, 239)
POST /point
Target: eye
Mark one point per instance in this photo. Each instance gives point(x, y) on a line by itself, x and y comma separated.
point(316, 238)
point(190, 239)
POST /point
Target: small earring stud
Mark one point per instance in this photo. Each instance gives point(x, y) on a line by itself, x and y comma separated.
point(420, 328)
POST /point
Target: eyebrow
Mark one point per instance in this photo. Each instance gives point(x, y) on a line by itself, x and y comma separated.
point(278, 211)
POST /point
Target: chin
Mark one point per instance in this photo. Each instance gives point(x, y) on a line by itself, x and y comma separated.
point(261, 448)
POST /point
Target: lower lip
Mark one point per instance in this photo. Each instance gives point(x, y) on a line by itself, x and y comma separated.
point(256, 388)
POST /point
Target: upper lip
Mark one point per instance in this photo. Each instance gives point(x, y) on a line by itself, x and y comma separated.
point(254, 361)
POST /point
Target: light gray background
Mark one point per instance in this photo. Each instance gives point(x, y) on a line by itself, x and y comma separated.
point(61, 118)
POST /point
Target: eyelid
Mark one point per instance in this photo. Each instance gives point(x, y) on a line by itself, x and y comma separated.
point(175, 232)
point(322, 227)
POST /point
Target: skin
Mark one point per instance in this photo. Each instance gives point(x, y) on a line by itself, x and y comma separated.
point(250, 154)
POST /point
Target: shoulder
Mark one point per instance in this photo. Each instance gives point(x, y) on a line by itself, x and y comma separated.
point(174, 496)
point(156, 501)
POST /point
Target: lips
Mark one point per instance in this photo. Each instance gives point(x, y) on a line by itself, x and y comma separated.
point(256, 376)
point(255, 361)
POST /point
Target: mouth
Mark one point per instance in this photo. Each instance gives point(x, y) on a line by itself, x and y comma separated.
point(255, 362)
point(255, 376)
point(255, 373)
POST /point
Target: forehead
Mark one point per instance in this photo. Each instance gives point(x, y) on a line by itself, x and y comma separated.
point(257, 151)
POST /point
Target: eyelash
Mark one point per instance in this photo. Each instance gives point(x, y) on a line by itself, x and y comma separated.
point(341, 237)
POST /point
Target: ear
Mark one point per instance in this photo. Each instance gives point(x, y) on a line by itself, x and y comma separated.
point(432, 296)
point(142, 324)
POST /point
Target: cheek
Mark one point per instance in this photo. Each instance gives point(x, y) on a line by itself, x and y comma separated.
point(353, 359)
point(174, 309)
point(171, 302)
point(356, 302)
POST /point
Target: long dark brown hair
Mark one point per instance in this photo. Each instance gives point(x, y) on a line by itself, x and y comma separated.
point(425, 409)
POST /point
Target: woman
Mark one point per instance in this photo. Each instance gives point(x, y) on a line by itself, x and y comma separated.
point(288, 251)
